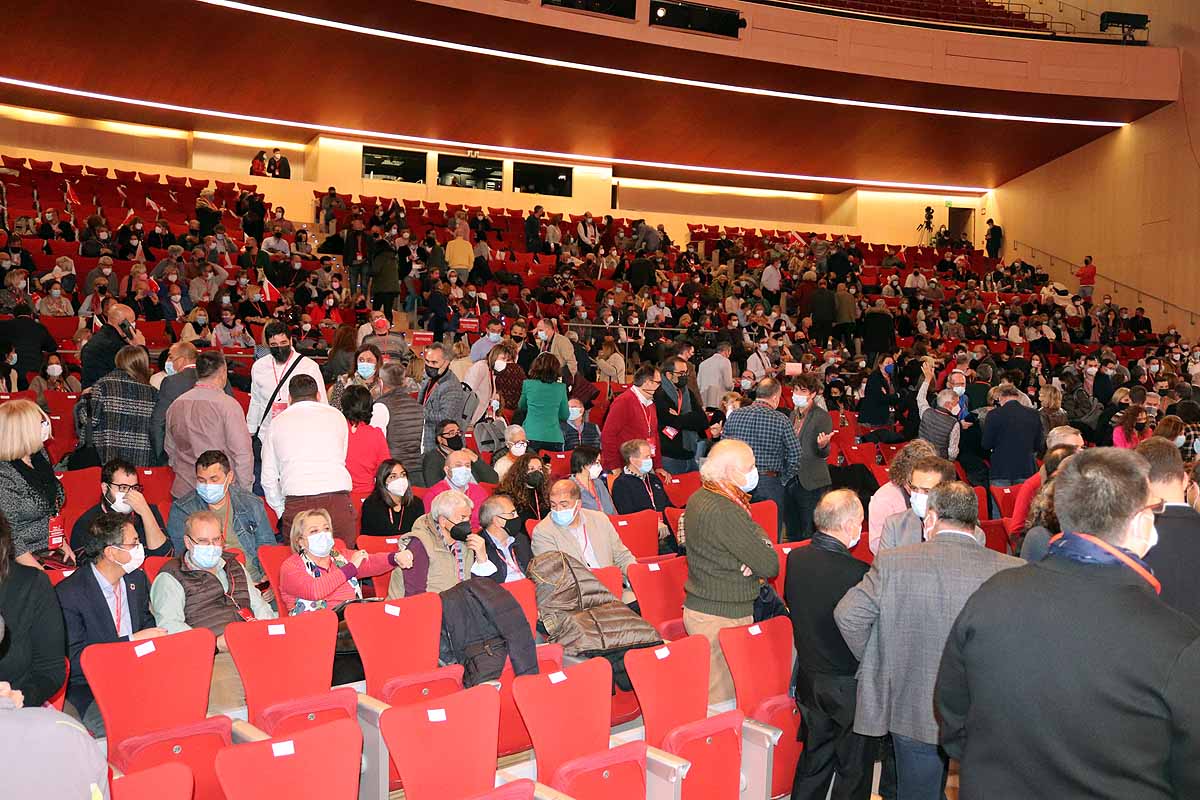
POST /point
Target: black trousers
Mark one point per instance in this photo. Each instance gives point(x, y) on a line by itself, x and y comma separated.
point(384, 301)
point(832, 750)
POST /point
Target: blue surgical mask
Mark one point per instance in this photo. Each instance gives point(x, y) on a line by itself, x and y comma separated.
point(206, 556)
point(575, 412)
point(210, 492)
point(751, 482)
point(562, 516)
point(887, 368)
point(919, 502)
point(646, 466)
point(460, 476)
point(366, 370)
point(320, 544)
point(169, 368)
point(493, 337)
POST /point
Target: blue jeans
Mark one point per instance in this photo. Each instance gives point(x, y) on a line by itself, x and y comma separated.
point(920, 770)
point(678, 466)
point(771, 488)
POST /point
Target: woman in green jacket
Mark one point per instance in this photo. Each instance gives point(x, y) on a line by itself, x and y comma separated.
point(544, 402)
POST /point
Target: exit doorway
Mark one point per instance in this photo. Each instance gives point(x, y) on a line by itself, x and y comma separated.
point(962, 220)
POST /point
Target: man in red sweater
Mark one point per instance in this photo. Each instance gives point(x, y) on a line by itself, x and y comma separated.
point(632, 416)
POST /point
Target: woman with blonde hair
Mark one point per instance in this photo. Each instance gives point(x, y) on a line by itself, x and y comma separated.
point(1050, 399)
point(30, 494)
point(462, 358)
point(120, 408)
point(197, 329)
point(15, 291)
point(1172, 429)
point(610, 364)
point(125, 285)
point(317, 575)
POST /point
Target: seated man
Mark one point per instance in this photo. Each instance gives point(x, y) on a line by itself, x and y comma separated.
point(106, 600)
point(638, 488)
point(587, 536)
point(448, 438)
point(240, 511)
point(445, 551)
point(577, 430)
point(505, 538)
point(206, 587)
point(457, 476)
point(121, 493)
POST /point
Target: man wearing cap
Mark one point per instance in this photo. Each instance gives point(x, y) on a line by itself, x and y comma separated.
point(393, 345)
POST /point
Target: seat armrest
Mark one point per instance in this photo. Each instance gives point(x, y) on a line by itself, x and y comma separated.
point(373, 780)
point(664, 775)
point(544, 792)
point(244, 732)
point(758, 759)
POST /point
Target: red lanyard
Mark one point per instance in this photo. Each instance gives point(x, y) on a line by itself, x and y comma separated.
point(646, 414)
point(117, 607)
point(583, 527)
point(1147, 576)
point(588, 487)
point(649, 491)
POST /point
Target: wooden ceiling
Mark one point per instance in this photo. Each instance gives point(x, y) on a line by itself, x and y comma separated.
point(197, 55)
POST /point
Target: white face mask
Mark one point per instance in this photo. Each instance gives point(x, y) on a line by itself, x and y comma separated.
point(54, 370)
point(118, 503)
point(136, 557)
point(919, 502)
point(398, 486)
point(594, 471)
point(518, 448)
point(460, 476)
point(499, 366)
point(320, 543)
point(46, 430)
point(800, 400)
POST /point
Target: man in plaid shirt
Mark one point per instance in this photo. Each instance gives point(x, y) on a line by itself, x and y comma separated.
point(772, 438)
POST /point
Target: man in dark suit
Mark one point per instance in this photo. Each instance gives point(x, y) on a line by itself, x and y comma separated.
point(99, 355)
point(1069, 677)
point(1176, 558)
point(504, 538)
point(533, 230)
point(818, 576)
point(105, 600)
point(121, 494)
point(30, 339)
point(1015, 436)
point(812, 476)
point(181, 361)
point(896, 622)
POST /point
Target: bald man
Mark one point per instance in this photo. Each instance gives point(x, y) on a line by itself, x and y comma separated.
point(99, 355)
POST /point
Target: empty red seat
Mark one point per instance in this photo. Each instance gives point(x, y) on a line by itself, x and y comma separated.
point(322, 761)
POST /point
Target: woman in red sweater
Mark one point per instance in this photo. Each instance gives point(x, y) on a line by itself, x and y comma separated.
point(367, 447)
point(317, 576)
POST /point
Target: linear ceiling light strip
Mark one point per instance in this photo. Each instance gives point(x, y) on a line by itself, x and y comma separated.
point(452, 144)
point(646, 76)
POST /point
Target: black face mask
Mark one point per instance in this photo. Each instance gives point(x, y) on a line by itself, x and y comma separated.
point(432, 372)
point(102, 290)
point(534, 479)
point(681, 382)
point(281, 352)
point(460, 531)
point(514, 526)
point(455, 442)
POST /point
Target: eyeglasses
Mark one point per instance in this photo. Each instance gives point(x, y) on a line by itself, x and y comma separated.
point(211, 542)
point(126, 487)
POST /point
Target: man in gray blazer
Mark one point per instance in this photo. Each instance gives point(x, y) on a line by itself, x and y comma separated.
point(896, 622)
point(181, 377)
point(812, 476)
point(908, 526)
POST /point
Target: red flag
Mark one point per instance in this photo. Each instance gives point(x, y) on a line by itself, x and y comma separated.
point(153, 205)
point(153, 284)
point(72, 198)
point(270, 293)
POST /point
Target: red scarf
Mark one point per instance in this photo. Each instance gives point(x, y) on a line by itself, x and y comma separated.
point(729, 492)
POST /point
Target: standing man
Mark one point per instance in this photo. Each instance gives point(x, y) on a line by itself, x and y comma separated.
point(356, 255)
point(715, 375)
point(812, 477)
point(589, 237)
point(402, 420)
point(205, 418)
point(1014, 434)
point(304, 462)
point(633, 415)
point(772, 280)
point(896, 622)
point(772, 438)
point(1087, 279)
point(181, 377)
point(907, 527)
point(551, 341)
point(818, 577)
point(681, 418)
point(268, 385)
point(279, 166)
point(99, 355)
point(1176, 558)
point(993, 239)
point(533, 231)
point(939, 423)
point(1107, 704)
point(442, 395)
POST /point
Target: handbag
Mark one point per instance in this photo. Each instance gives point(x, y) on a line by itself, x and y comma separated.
point(768, 604)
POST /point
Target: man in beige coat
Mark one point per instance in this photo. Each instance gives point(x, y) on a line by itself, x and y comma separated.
point(585, 535)
point(549, 340)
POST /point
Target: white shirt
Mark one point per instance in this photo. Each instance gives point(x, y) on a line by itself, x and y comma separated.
point(715, 377)
point(304, 453)
point(380, 417)
point(277, 245)
point(585, 544)
point(771, 278)
point(264, 375)
point(915, 280)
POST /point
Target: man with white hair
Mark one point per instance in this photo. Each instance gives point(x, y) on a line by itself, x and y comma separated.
point(818, 577)
point(445, 550)
point(939, 424)
point(728, 554)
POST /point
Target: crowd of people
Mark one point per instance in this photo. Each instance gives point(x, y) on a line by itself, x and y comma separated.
point(644, 361)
